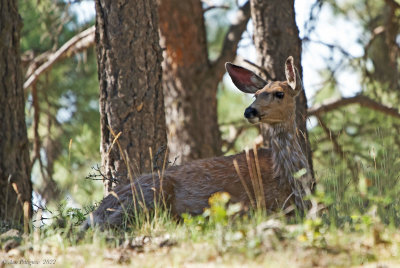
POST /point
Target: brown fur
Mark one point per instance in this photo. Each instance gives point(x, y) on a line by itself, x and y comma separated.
point(187, 188)
point(274, 110)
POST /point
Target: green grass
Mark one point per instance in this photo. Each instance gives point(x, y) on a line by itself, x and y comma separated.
point(218, 238)
point(357, 226)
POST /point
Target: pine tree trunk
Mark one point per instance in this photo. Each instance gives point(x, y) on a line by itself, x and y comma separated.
point(276, 37)
point(190, 80)
point(131, 98)
point(15, 183)
point(191, 109)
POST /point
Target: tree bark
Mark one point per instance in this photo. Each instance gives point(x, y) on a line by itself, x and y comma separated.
point(190, 81)
point(15, 183)
point(276, 37)
point(131, 98)
point(384, 51)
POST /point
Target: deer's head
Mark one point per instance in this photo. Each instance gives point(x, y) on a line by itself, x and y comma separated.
point(274, 101)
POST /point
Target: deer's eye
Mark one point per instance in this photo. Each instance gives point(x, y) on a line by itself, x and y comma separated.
point(279, 94)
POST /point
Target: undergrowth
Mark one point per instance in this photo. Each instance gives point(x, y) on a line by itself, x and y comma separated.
point(222, 235)
point(354, 222)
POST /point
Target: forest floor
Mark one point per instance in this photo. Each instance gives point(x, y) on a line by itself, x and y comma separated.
point(219, 238)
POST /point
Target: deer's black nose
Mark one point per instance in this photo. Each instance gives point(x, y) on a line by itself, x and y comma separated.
point(250, 113)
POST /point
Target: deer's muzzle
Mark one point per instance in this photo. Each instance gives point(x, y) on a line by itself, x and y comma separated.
point(251, 115)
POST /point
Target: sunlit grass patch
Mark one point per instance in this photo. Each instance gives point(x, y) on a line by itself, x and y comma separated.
point(356, 225)
point(220, 237)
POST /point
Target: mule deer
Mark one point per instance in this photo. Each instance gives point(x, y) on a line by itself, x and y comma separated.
point(282, 171)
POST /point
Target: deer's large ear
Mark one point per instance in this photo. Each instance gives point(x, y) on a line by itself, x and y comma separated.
point(244, 79)
point(291, 74)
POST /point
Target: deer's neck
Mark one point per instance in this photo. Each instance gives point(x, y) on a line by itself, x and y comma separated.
point(287, 154)
point(289, 162)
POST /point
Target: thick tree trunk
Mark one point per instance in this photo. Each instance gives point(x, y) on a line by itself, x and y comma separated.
point(131, 98)
point(384, 51)
point(276, 37)
point(15, 183)
point(191, 109)
point(190, 81)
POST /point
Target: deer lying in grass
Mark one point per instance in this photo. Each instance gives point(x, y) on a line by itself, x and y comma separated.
point(268, 177)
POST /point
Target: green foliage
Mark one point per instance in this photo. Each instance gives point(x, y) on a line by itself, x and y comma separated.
point(65, 216)
point(357, 166)
point(356, 150)
point(217, 23)
point(362, 175)
point(217, 237)
point(222, 223)
point(234, 128)
point(67, 109)
point(365, 173)
point(312, 232)
point(220, 213)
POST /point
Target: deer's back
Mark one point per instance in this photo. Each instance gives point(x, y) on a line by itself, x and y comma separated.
point(195, 182)
point(188, 187)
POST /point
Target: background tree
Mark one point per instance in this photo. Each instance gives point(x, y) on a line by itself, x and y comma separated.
point(190, 78)
point(275, 38)
point(351, 143)
point(15, 182)
point(131, 99)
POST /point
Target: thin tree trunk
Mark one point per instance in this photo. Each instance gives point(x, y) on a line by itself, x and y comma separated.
point(276, 37)
point(190, 81)
point(131, 98)
point(15, 183)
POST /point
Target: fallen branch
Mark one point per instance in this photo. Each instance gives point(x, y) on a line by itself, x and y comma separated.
point(77, 43)
point(363, 101)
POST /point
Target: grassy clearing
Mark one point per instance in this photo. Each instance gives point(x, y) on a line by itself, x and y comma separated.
point(357, 225)
point(218, 238)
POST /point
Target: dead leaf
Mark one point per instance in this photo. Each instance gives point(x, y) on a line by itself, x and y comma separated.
point(139, 107)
